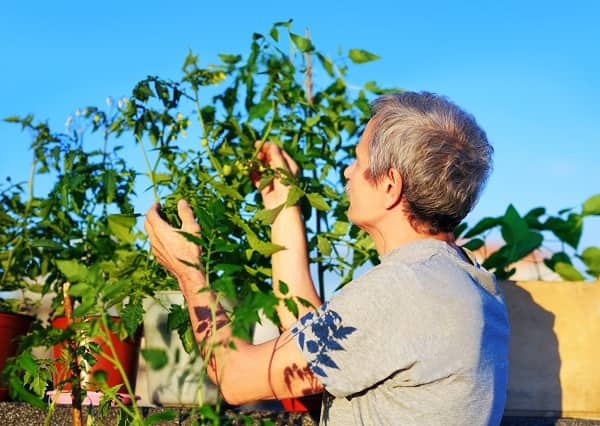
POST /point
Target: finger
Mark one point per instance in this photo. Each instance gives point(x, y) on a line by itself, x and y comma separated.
point(152, 218)
point(275, 157)
point(291, 163)
point(188, 221)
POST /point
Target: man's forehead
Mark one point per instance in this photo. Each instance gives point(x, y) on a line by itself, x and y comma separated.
point(365, 138)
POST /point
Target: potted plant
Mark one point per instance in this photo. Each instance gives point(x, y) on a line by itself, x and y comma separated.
point(16, 271)
point(86, 255)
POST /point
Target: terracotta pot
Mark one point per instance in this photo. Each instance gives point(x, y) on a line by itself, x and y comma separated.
point(11, 327)
point(308, 403)
point(127, 353)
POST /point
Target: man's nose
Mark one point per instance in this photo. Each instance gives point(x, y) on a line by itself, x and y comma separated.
point(347, 171)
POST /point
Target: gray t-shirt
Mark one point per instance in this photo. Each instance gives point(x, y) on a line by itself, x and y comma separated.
point(420, 339)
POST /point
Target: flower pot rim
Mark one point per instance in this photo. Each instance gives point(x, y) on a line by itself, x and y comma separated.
point(27, 317)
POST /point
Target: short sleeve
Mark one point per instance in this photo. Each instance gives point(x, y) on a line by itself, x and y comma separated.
point(360, 337)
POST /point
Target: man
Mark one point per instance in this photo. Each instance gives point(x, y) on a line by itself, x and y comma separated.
point(420, 339)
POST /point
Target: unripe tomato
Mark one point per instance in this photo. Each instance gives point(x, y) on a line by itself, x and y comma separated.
point(226, 170)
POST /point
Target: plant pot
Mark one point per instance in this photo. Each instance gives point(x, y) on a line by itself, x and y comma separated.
point(178, 382)
point(127, 354)
point(309, 403)
point(11, 326)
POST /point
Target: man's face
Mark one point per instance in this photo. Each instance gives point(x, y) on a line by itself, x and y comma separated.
point(362, 193)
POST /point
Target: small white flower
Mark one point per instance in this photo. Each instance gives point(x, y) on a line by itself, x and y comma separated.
point(69, 121)
point(109, 101)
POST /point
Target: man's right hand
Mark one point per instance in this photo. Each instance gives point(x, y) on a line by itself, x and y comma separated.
point(275, 193)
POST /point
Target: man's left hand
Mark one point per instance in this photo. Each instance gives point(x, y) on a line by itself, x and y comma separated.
point(172, 249)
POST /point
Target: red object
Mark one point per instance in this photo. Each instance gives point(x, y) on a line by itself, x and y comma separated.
point(127, 353)
point(11, 327)
point(308, 403)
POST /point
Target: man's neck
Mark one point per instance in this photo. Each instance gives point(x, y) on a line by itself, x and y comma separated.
point(388, 237)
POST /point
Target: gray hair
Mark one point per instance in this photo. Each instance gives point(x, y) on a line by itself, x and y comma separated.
point(440, 151)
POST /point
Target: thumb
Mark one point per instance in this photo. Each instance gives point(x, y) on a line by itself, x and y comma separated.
point(188, 221)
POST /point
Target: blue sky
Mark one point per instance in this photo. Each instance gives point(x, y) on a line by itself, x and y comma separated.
point(529, 71)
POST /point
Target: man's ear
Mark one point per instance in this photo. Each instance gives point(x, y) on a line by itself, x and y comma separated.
point(392, 185)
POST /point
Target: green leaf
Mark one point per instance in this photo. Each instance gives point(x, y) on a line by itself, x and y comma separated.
point(483, 225)
point(327, 64)
point(460, 229)
point(142, 91)
point(121, 226)
point(162, 416)
point(591, 206)
point(359, 56)
point(340, 227)
point(80, 289)
point(267, 216)
point(560, 256)
point(514, 227)
point(311, 121)
point(260, 110)
point(156, 358)
point(474, 244)
point(568, 230)
point(110, 185)
point(291, 305)
point(532, 217)
point(303, 44)
point(568, 272)
point(521, 248)
point(72, 270)
point(190, 60)
point(591, 258)
point(12, 119)
point(132, 315)
point(323, 245)
point(283, 287)
point(372, 87)
point(294, 196)
point(286, 24)
point(187, 339)
point(317, 201)
point(264, 248)
point(230, 59)
point(47, 244)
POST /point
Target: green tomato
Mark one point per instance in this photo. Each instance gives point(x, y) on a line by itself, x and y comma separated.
point(226, 170)
point(204, 142)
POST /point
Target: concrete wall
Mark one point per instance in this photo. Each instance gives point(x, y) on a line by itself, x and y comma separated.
point(554, 348)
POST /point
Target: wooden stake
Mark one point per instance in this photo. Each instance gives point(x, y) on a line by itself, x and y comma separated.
point(75, 372)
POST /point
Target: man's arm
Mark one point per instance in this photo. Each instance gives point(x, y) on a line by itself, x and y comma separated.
point(289, 265)
point(274, 369)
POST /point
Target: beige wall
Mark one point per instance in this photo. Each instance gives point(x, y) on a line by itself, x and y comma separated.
point(554, 348)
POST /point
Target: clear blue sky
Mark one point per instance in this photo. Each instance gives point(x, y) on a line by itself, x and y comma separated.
point(528, 70)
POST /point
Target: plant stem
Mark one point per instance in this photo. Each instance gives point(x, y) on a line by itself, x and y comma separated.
point(151, 170)
point(308, 82)
point(135, 413)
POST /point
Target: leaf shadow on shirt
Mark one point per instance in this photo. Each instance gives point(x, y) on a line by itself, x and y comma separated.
point(326, 335)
